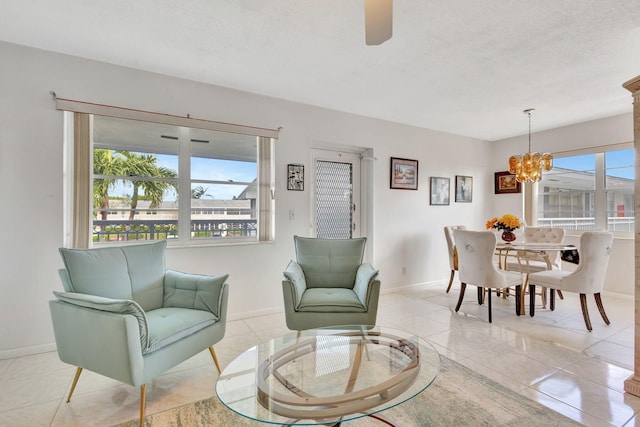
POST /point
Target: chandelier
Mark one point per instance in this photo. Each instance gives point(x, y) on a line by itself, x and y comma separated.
point(529, 166)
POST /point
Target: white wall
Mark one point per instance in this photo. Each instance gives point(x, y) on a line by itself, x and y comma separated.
point(595, 133)
point(405, 230)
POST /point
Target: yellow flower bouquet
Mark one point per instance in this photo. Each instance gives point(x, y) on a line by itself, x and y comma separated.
point(506, 222)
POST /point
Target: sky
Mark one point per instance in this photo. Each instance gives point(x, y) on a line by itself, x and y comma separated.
point(619, 163)
point(205, 169)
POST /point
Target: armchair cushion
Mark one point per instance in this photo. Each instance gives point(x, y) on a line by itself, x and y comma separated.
point(111, 305)
point(329, 262)
point(125, 272)
point(168, 325)
point(332, 300)
point(193, 291)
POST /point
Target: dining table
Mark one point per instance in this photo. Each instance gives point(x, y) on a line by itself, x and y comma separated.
point(522, 249)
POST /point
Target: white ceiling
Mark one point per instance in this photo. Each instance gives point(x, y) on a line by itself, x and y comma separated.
point(467, 67)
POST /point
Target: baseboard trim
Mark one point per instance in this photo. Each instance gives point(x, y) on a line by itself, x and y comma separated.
point(413, 286)
point(27, 351)
point(256, 313)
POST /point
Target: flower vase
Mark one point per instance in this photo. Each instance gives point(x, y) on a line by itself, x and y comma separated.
point(508, 236)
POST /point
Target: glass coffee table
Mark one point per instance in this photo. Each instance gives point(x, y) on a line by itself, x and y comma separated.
point(327, 376)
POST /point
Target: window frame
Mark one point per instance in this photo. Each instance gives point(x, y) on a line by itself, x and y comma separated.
point(78, 172)
point(600, 190)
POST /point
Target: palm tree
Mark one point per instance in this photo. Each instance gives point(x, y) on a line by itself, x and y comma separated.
point(107, 164)
point(144, 165)
point(125, 163)
point(198, 192)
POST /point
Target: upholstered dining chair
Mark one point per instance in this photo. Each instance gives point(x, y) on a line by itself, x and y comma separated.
point(588, 277)
point(453, 252)
point(125, 316)
point(329, 285)
point(476, 267)
point(529, 262)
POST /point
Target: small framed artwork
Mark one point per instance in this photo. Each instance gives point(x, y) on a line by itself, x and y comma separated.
point(404, 174)
point(440, 190)
point(506, 183)
point(464, 188)
point(295, 177)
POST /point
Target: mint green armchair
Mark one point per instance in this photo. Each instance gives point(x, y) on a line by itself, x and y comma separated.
point(329, 285)
point(127, 317)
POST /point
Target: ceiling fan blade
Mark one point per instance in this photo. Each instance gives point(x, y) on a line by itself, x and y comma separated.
point(378, 21)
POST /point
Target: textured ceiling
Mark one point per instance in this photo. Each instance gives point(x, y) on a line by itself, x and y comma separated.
point(466, 67)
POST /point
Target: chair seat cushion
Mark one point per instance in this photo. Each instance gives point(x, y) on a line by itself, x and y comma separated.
point(550, 278)
point(524, 267)
point(168, 325)
point(330, 300)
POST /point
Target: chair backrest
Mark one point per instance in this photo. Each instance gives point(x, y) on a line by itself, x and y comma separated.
point(448, 233)
point(475, 258)
point(329, 263)
point(545, 235)
point(122, 272)
point(595, 251)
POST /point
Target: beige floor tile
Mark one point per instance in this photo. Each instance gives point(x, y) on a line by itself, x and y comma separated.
point(594, 399)
point(600, 372)
point(612, 352)
point(564, 409)
point(38, 415)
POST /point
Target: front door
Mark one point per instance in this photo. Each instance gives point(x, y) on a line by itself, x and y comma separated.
point(336, 210)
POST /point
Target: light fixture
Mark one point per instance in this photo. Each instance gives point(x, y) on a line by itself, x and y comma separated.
point(529, 166)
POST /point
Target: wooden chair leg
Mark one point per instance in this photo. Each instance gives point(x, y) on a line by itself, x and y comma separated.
point(480, 295)
point(143, 403)
point(489, 303)
point(532, 300)
point(552, 299)
point(453, 272)
point(585, 311)
point(560, 294)
point(463, 286)
point(73, 384)
point(519, 300)
point(601, 308)
point(215, 359)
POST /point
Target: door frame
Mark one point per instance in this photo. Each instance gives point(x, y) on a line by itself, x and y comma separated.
point(365, 160)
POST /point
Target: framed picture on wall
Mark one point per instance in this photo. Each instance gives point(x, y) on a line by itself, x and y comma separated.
point(464, 188)
point(440, 188)
point(404, 174)
point(506, 183)
point(295, 177)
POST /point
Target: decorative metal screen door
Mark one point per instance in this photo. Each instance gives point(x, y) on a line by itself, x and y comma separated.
point(337, 197)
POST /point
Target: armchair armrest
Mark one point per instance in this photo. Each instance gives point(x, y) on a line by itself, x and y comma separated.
point(293, 283)
point(111, 305)
point(196, 291)
point(102, 341)
point(364, 282)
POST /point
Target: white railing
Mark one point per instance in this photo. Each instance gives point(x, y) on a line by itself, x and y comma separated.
point(615, 223)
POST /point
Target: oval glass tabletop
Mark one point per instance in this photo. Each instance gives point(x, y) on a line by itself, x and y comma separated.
point(329, 375)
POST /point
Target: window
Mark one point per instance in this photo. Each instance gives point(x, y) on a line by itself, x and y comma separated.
point(200, 185)
point(589, 191)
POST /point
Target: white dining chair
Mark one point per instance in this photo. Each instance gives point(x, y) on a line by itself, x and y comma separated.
point(476, 267)
point(452, 251)
point(588, 278)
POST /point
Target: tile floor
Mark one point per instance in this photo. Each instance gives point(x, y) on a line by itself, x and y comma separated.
point(550, 358)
